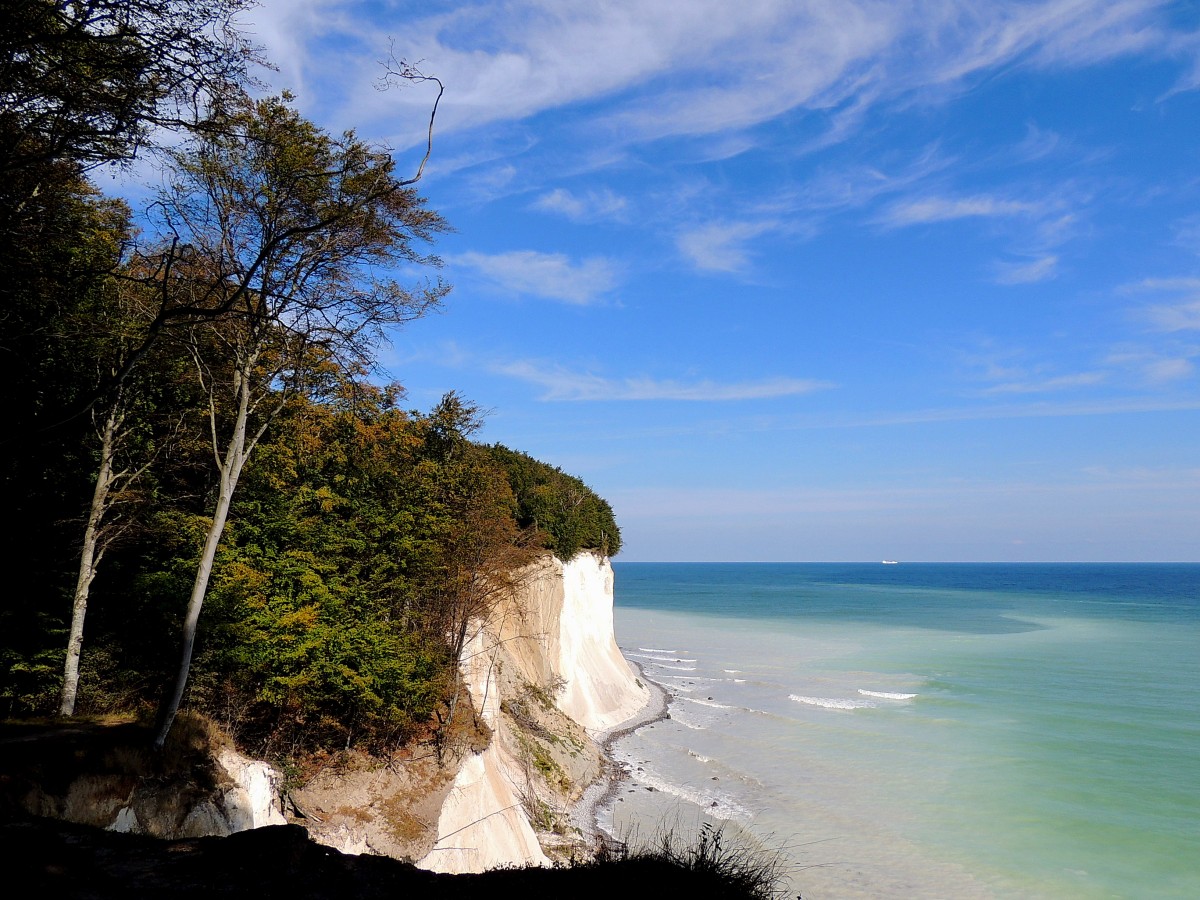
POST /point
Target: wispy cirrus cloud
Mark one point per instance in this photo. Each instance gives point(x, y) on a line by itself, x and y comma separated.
point(1155, 367)
point(695, 68)
point(1125, 367)
point(1014, 372)
point(1036, 228)
point(550, 276)
point(586, 207)
point(1182, 316)
point(559, 383)
point(1180, 313)
point(1036, 270)
point(1051, 384)
point(720, 246)
point(924, 210)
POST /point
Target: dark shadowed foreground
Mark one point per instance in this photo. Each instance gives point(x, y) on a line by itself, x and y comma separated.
point(56, 859)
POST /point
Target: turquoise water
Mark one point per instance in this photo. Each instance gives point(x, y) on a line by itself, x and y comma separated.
point(925, 730)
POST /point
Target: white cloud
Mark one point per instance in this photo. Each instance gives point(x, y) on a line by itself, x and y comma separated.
point(1184, 285)
point(562, 384)
point(1165, 371)
point(1154, 368)
point(1040, 227)
point(1057, 33)
point(551, 276)
point(945, 209)
point(1183, 314)
point(1047, 385)
point(1028, 273)
point(720, 246)
point(699, 67)
point(582, 208)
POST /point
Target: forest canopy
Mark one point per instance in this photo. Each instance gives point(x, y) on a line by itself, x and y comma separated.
point(569, 514)
point(193, 407)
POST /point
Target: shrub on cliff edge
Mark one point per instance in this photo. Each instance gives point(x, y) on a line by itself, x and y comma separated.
point(569, 515)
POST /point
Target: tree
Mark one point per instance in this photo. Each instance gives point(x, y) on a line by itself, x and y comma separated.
point(481, 555)
point(281, 238)
point(136, 422)
point(56, 279)
point(570, 515)
point(88, 80)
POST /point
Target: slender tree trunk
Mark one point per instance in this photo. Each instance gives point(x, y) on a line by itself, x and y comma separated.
point(89, 559)
point(231, 469)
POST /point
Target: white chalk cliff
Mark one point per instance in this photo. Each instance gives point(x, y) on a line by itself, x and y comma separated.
point(552, 643)
point(544, 674)
point(244, 794)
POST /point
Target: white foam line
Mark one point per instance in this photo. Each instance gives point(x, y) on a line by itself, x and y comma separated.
point(886, 695)
point(675, 668)
point(711, 703)
point(655, 650)
point(716, 804)
point(831, 702)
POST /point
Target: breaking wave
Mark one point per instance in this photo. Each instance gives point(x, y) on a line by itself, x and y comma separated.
point(652, 658)
point(886, 695)
point(714, 704)
point(717, 804)
point(831, 702)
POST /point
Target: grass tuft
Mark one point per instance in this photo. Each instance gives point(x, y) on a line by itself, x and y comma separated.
point(712, 866)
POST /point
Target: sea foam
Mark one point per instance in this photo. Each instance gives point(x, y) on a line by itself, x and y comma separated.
point(717, 804)
point(714, 704)
point(831, 702)
point(886, 695)
point(651, 658)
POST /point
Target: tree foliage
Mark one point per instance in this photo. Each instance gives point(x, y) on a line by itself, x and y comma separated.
point(364, 545)
point(87, 80)
point(194, 405)
point(278, 233)
point(569, 515)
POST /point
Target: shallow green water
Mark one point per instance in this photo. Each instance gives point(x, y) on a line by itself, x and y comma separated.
point(1025, 731)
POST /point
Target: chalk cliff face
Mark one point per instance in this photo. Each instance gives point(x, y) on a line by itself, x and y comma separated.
point(601, 689)
point(111, 791)
point(547, 677)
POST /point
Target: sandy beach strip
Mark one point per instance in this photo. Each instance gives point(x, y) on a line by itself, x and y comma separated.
point(584, 813)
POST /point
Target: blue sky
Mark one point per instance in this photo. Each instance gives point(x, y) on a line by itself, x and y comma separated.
point(824, 280)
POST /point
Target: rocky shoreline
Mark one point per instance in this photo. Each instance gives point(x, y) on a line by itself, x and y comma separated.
point(585, 814)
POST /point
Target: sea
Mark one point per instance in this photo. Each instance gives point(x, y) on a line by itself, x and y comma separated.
point(922, 730)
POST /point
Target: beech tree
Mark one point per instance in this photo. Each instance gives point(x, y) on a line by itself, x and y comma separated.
point(88, 80)
point(283, 240)
point(134, 423)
